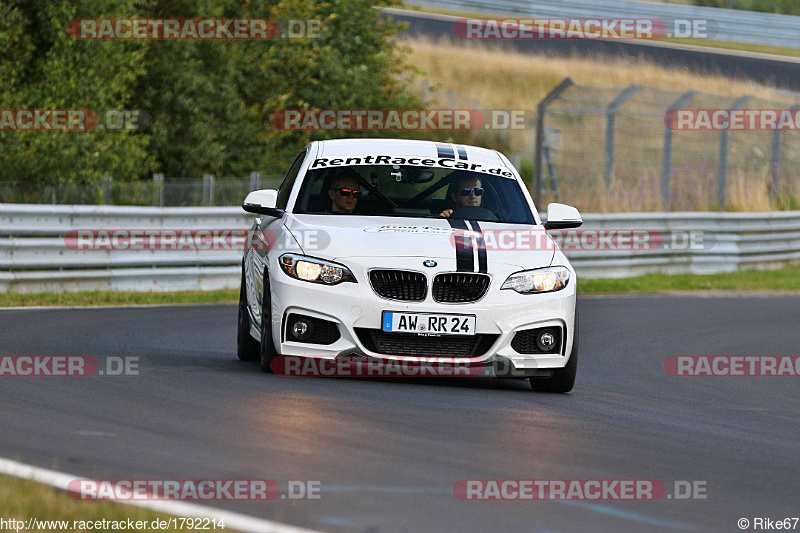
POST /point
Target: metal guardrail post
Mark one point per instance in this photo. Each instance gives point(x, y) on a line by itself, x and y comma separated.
point(158, 190)
point(666, 165)
point(107, 183)
point(611, 119)
point(255, 181)
point(722, 175)
point(208, 189)
point(541, 109)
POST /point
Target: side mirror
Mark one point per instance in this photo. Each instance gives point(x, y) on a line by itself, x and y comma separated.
point(262, 203)
point(560, 216)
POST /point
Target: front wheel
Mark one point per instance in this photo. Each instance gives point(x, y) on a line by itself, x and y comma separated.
point(563, 379)
point(268, 352)
point(247, 347)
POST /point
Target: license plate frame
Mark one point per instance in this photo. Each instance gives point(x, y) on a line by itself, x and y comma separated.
point(451, 324)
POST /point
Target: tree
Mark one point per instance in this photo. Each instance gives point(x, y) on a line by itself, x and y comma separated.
point(45, 68)
point(209, 102)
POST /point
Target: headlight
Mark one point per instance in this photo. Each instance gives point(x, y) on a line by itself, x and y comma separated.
point(315, 270)
point(539, 280)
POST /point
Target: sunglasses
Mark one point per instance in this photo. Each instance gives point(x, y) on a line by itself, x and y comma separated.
point(355, 193)
point(477, 190)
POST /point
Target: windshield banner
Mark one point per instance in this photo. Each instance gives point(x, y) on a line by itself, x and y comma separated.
point(443, 162)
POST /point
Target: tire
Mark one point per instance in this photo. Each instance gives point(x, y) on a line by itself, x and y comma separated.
point(563, 379)
point(247, 348)
point(267, 346)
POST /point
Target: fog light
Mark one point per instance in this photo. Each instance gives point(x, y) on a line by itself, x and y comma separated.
point(302, 330)
point(546, 341)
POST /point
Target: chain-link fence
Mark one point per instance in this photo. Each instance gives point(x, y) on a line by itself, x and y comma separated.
point(600, 149)
point(160, 191)
point(612, 149)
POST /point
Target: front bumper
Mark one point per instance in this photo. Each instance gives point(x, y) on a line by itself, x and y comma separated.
point(355, 306)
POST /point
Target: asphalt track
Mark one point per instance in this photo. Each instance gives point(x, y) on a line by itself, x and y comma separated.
point(388, 452)
point(765, 69)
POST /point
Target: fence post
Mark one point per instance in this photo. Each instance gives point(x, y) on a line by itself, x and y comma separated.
point(611, 119)
point(158, 190)
point(255, 181)
point(666, 165)
point(516, 160)
point(722, 175)
point(208, 189)
point(541, 109)
point(775, 161)
point(551, 170)
point(107, 182)
point(533, 151)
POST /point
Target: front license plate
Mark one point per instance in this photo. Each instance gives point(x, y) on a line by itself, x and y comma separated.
point(395, 322)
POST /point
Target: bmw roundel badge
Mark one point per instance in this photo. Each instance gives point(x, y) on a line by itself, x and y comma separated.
point(429, 263)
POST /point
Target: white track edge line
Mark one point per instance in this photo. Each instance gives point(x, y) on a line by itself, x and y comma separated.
point(232, 520)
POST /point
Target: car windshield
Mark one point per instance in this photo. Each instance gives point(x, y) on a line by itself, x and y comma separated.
point(409, 191)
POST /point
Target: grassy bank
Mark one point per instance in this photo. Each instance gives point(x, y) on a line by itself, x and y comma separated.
point(787, 279)
point(23, 500)
point(119, 298)
point(503, 78)
point(465, 75)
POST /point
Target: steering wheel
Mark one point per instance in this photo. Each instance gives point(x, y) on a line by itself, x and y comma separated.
point(473, 212)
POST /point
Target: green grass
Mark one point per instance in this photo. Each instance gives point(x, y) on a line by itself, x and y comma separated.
point(24, 499)
point(786, 279)
point(742, 47)
point(9, 299)
point(710, 43)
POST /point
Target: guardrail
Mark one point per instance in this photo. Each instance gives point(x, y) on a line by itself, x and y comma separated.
point(731, 25)
point(34, 256)
point(730, 242)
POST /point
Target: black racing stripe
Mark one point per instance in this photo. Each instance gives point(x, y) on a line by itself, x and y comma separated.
point(483, 263)
point(445, 151)
point(463, 245)
point(462, 153)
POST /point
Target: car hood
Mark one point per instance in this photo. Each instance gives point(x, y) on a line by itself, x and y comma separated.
point(336, 237)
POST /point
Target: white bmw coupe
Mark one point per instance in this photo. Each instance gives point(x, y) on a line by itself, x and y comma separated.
point(396, 248)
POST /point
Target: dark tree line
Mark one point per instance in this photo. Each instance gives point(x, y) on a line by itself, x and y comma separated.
point(208, 103)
